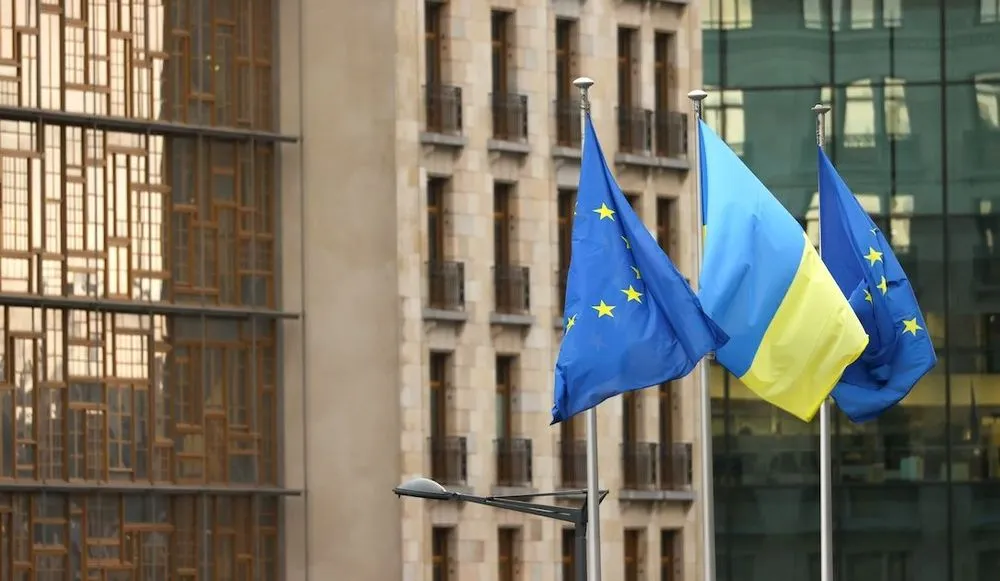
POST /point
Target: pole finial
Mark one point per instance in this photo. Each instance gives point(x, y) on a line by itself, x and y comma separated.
point(584, 84)
point(697, 95)
point(820, 109)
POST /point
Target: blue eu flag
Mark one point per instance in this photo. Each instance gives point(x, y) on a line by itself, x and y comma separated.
point(858, 255)
point(631, 319)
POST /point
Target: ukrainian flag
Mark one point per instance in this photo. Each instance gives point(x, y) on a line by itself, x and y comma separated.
point(792, 331)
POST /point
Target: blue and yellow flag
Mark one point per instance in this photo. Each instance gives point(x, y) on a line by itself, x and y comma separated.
point(631, 319)
point(860, 259)
point(792, 333)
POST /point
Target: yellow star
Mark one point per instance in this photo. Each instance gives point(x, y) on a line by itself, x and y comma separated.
point(632, 294)
point(868, 296)
point(636, 271)
point(873, 256)
point(883, 285)
point(910, 326)
point(604, 310)
point(605, 212)
point(628, 246)
point(570, 322)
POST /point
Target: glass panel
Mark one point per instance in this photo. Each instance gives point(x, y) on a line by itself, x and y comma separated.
point(771, 43)
point(887, 38)
point(972, 35)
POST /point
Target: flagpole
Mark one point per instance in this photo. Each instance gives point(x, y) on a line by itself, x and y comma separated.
point(707, 479)
point(593, 490)
point(825, 460)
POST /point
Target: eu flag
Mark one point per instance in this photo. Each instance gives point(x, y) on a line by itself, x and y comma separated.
point(631, 320)
point(860, 259)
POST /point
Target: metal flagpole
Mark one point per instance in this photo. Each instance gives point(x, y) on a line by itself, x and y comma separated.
point(593, 490)
point(707, 479)
point(825, 461)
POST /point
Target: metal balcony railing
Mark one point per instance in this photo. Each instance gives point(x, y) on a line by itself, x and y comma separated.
point(573, 464)
point(671, 134)
point(675, 466)
point(639, 465)
point(446, 285)
point(443, 109)
point(635, 130)
point(568, 123)
point(510, 116)
point(449, 454)
point(513, 456)
point(511, 285)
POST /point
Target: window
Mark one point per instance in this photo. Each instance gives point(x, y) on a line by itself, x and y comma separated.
point(861, 14)
point(628, 67)
point(566, 40)
point(897, 114)
point(665, 409)
point(566, 210)
point(501, 31)
point(441, 554)
point(503, 223)
point(634, 569)
point(666, 236)
point(669, 561)
point(633, 201)
point(434, 19)
point(723, 111)
point(504, 396)
point(865, 123)
point(631, 416)
point(569, 555)
point(436, 188)
point(508, 567)
point(663, 71)
point(988, 99)
point(439, 364)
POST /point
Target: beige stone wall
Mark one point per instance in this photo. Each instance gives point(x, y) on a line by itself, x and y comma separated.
point(357, 273)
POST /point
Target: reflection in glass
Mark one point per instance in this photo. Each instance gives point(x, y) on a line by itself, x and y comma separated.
point(727, 15)
point(989, 11)
point(988, 98)
point(723, 112)
point(861, 14)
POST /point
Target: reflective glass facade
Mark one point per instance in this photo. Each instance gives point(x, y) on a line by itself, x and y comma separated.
point(914, 87)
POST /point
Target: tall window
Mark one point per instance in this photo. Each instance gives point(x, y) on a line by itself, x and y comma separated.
point(441, 554)
point(663, 75)
point(501, 31)
point(508, 568)
point(505, 397)
point(436, 188)
point(631, 417)
point(665, 401)
point(167, 216)
point(568, 555)
point(438, 364)
point(434, 18)
point(865, 122)
point(566, 33)
point(503, 222)
point(727, 15)
point(628, 66)
point(669, 562)
point(988, 99)
point(989, 11)
point(634, 569)
point(666, 237)
point(566, 209)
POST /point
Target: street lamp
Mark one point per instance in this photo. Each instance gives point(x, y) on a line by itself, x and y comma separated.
point(430, 490)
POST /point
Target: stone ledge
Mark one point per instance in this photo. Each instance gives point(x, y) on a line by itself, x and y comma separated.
point(652, 161)
point(503, 146)
point(444, 315)
point(443, 140)
point(512, 320)
point(656, 495)
point(562, 152)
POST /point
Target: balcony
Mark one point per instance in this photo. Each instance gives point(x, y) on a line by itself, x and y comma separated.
point(671, 135)
point(675, 466)
point(511, 295)
point(635, 131)
point(567, 128)
point(445, 291)
point(448, 459)
point(513, 468)
point(573, 464)
point(443, 116)
point(639, 466)
point(510, 123)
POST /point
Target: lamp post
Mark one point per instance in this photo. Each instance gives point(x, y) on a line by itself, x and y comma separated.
point(430, 490)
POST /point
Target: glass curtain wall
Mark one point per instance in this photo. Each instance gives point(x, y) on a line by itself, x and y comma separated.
point(914, 87)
